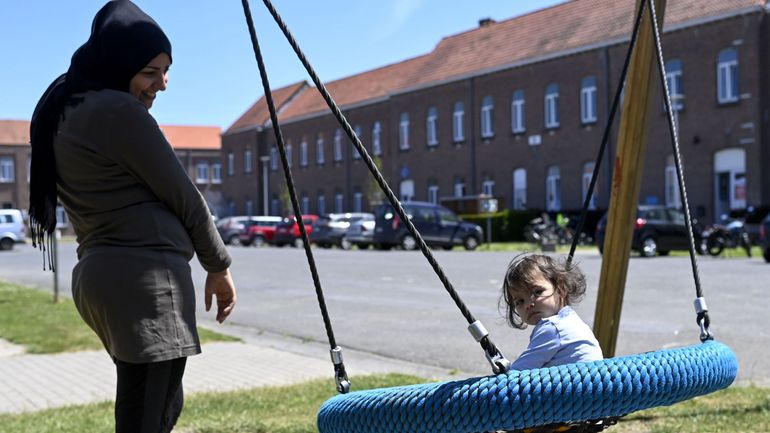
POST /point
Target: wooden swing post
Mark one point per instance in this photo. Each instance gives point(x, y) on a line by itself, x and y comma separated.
point(626, 181)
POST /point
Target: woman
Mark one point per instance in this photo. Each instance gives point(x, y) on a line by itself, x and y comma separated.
point(137, 216)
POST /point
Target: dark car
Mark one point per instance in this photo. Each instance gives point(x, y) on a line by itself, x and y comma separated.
point(330, 229)
point(764, 238)
point(657, 230)
point(287, 231)
point(439, 227)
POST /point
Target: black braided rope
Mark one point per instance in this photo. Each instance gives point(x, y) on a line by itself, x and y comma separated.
point(339, 368)
point(672, 129)
point(486, 343)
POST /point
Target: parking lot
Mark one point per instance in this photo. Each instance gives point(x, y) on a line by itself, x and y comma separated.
point(391, 303)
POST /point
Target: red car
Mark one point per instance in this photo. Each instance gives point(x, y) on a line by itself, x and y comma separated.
point(287, 231)
point(259, 230)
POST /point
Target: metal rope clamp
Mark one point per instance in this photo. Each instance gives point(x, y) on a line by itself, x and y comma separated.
point(701, 309)
point(500, 364)
point(340, 377)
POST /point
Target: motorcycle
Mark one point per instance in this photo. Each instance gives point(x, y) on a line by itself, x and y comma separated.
point(731, 233)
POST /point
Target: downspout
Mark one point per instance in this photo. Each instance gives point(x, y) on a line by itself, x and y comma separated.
point(472, 181)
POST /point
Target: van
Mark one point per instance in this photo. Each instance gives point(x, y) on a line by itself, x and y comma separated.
point(12, 229)
point(438, 226)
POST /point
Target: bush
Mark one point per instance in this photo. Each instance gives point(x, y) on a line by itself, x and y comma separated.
point(507, 225)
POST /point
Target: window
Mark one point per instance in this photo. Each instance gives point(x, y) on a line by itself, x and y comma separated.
point(321, 204)
point(216, 173)
point(356, 154)
point(487, 115)
point(517, 112)
point(727, 76)
point(275, 206)
point(433, 194)
point(337, 145)
point(358, 201)
point(552, 106)
point(488, 187)
point(673, 199)
point(588, 100)
point(588, 172)
point(319, 150)
point(230, 164)
point(273, 159)
point(202, 172)
point(339, 203)
point(289, 154)
point(430, 126)
point(675, 86)
point(458, 119)
point(406, 190)
point(249, 207)
point(459, 187)
point(7, 174)
point(520, 188)
point(403, 132)
point(304, 204)
point(553, 189)
point(303, 154)
point(376, 144)
point(247, 161)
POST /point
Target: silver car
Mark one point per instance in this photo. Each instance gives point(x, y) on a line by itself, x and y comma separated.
point(12, 229)
point(360, 233)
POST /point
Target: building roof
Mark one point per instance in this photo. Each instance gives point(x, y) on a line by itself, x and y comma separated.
point(258, 114)
point(560, 29)
point(16, 132)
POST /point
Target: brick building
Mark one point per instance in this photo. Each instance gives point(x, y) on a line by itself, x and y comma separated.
point(198, 148)
point(516, 109)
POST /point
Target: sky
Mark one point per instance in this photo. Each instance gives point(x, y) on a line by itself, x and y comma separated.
point(214, 78)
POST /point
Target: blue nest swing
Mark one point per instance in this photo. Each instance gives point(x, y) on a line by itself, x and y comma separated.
point(581, 397)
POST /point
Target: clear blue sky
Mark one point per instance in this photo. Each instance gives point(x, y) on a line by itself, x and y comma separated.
point(215, 78)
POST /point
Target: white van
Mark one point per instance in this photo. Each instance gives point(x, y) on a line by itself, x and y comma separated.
point(12, 229)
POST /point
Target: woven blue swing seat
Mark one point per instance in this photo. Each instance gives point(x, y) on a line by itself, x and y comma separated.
point(523, 399)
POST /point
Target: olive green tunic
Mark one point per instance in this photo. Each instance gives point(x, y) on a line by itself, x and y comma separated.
point(138, 220)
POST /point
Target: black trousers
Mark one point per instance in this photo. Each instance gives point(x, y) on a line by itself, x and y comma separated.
point(149, 397)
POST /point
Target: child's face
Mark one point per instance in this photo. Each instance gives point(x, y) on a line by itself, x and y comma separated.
point(539, 301)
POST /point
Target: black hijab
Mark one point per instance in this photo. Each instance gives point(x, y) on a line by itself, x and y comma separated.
point(123, 41)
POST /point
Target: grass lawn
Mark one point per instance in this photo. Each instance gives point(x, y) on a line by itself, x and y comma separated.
point(292, 409)
point(29, 317)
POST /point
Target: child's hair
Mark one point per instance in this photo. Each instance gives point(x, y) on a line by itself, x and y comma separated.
point(567, 280)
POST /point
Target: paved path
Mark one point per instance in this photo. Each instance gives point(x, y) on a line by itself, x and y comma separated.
point(36, 382)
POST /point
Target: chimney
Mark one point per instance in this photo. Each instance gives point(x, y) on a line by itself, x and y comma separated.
point(484, 22)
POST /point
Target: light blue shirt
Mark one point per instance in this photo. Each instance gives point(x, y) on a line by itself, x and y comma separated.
point(557, 340)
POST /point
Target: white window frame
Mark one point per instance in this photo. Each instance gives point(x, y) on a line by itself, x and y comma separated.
point(553, 189)
point(216, 173)
point(588, 100)
point(675, 84)
point(355, 154)
point(230, 164)
point(249, 206)
point(247, 164)
point(488, 187)
point(518, 124)
point(337, 145)
point(487, 117)
point(320, 157)
point(588, 172)
point(339, 202)
point(358, 201)
point(727, 77)
point(305, 204)
point(303, 154)
point(403, 132)
point(376, 137)
point(459, 188)
point(7, 169)
point(431, 122)
point(202, 172)
point(552, 106)
point(520, 188)
point(458, 122)
point(274, 158)
point(289, 154)
point(433, 194)
point(275, 206)
point(673, 198)
point(321, 204)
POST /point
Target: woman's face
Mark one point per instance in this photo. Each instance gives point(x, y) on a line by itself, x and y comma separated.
point(150, 80)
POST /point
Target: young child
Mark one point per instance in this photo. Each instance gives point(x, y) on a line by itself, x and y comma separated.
point(539, 290)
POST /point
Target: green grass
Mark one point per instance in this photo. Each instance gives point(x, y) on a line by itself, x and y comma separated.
point(30, 318)
point(729, 253)
point(292, 409)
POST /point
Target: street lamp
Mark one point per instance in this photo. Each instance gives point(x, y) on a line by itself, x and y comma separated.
point(265, 160)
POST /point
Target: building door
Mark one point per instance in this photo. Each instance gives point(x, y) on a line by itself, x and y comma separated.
point(406, 190)
point(729, 181)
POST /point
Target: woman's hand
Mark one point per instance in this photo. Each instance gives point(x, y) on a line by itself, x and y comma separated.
point(220, 284)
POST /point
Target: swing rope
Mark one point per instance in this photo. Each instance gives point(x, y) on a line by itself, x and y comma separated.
point(341, 378)
point(496, 359)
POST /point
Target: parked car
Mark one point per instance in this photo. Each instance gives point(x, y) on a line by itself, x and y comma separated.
point(330, 229)
point(657, 230)
point(764, 238)
point(437, 225)
point(12, 228)
point(230, 228)
point(259, 230)
point(287, 231)
point(360, 233)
